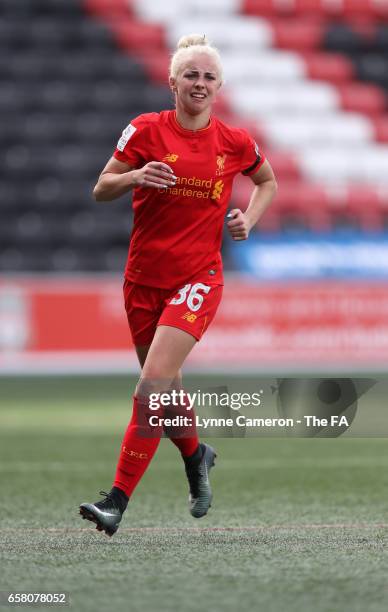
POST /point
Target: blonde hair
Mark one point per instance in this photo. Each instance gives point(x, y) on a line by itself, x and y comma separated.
point(193, 43)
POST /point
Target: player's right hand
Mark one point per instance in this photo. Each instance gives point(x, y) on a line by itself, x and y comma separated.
point(156, 175)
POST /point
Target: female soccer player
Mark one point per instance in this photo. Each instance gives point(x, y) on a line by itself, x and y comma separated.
point(180, 165)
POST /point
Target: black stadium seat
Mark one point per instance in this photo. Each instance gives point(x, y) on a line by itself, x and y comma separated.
point(381, 38)
point(25, 9)
point(51, 35)
point(27, 66)
point(66, 94)
point(10, 98)
point(342, 38)
point(9, 197)
point(372, 67)
point(368, 52)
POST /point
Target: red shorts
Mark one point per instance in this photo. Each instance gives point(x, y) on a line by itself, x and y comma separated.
point(191, 308)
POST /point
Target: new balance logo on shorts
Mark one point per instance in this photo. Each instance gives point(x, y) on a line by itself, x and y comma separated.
point(189, 316)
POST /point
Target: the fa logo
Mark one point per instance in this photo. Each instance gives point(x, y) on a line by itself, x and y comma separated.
point(170, 157)
point(220, 164)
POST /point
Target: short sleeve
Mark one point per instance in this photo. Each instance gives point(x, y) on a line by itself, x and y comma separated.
point(131, 147)
point(252, 157)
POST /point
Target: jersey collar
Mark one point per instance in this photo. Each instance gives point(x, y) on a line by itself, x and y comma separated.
point(191, 133)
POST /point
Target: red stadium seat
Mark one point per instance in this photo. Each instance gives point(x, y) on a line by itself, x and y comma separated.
point(348, 9)
point(304, 201)
point(380, 8)
point(331, 67)
point(358, 8)
point(381, 128)
point(134, 35)
point(357, 204)
point(364, 203)
point(362, 98)
point(298, 34)
point(316, 7)
point(108, 8)
point(155, 64)
point(382, 195)
point(284, 165)
point(270, 222)
point(341, 8)
point(267, 7)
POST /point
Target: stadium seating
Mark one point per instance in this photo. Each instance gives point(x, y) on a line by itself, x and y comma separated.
point(307, 78)
point(66, 94)
point(311, 74)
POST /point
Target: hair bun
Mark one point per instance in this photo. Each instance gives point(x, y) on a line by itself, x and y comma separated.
point(194, 44)
point(192, 40)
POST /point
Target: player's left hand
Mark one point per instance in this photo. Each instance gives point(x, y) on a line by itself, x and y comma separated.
point(238, 224)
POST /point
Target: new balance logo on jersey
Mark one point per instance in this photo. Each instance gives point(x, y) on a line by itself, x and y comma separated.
point(218, 187)
point(170, 157)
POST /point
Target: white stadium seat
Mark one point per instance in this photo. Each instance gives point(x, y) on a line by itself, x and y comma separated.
point(337, 128)
point(150, 10)
point(236, 33)
point(366, 164)
point(266, 100)
point(267, 65)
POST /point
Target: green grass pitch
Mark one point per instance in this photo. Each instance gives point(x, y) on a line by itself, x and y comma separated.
point(296, 525)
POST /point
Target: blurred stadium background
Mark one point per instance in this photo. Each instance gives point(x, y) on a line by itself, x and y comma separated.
point(307, 78)
point(295, 524)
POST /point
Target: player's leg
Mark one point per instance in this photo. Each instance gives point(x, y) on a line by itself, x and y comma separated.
point(162, 358)
point(186, 441)
point(141, 439)
point(167, 353)
point(143, 309)
point(142, 352)
point(169, 348)
point(185, 316)
point(191, 309)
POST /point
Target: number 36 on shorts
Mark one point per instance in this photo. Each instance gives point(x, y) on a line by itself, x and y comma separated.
point(193, 295)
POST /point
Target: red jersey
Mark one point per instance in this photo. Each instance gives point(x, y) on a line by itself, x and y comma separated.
point(177, 232)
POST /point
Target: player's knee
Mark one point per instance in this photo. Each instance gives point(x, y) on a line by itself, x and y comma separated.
point(153, 383)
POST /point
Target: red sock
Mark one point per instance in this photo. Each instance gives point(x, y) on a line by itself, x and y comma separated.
point(187, 446)
point(139, 446)
point(185, 438)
